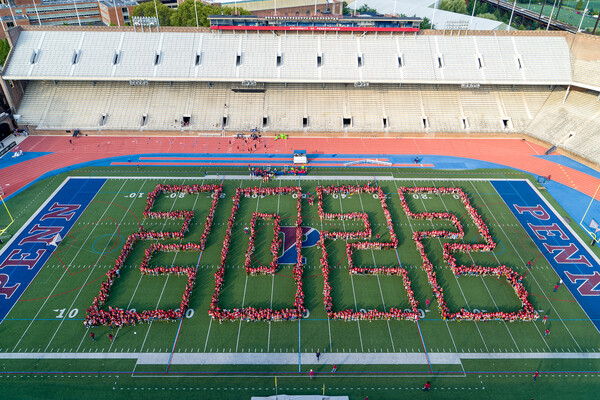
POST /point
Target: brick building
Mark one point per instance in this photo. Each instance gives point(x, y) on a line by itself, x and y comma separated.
point(61, 12)
point(286, 7)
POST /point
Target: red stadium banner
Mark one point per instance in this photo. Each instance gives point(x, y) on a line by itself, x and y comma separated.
point(312, 28)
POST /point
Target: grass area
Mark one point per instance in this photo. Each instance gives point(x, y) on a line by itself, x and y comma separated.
point(48, 319)
point(568, 13)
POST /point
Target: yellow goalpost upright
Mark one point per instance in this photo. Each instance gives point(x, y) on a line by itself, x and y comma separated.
point(593, 226)
point(4, 228)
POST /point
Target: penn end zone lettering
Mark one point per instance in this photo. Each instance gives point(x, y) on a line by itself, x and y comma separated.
point(589, 284)
point(564, 251)
point(5, 289)
point(65, 211)
point(28, 251)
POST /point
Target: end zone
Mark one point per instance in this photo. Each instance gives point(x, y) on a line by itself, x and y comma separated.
point(29, 249)
point(570, 258)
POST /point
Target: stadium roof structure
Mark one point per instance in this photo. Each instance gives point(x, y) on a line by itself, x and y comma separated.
point(113, 55)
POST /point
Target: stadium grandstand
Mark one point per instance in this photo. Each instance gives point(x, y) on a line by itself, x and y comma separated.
point(101, 80)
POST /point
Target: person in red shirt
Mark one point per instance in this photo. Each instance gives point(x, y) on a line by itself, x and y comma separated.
point(546, 332)
point(545, 319)
point(427, 386)
point(537, 373)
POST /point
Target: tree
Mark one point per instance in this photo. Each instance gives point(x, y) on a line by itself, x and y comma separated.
point(457, 6)
point(185, 15)
point(426, 24)
point(488, 16)
point(364, 9)
point(4, 49)
point(149, 9)
point(579, 5)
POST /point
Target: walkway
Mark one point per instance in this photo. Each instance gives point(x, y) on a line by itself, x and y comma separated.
point(514, 153)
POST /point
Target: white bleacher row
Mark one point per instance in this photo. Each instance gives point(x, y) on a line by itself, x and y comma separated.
point(295, 107)
point(573, 125)
point(237, 57)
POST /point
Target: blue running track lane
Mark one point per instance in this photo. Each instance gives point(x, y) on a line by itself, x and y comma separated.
point(567, 254)
point(23, 257)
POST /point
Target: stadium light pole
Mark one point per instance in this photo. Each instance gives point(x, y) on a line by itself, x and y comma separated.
point(11, 13)
point(395, 3)
point(36, 13)
point(116, 15)
point(583, 16)
point(156, 9)
point(77, 13)
point(511, 15)
point(433, 16)
point(196, 8)
point(473, 14)
point(551, 12)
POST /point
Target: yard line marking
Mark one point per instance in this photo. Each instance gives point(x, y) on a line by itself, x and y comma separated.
point(273, 279)
point(246, 283)
point(62, 276)
point(530, 274)
point(455, 277)
point(182, 318)
point(413, 230)
point(378, 280)
point(351, 277)
point(91, 272)
point(482, 280)
point(328, 319)
point(166, 280)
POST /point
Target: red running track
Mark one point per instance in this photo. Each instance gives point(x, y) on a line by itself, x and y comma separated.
point(515, 153)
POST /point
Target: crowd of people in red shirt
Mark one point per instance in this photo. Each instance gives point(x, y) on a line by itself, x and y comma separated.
point(275, 245)
point(178, 214)
point(352, 189)
point(252, 313)
point(116, 317)
point(349, 314)
point(513, 278)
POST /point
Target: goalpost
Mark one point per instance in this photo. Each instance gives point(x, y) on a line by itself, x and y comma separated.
point(593, 227)
point(4, 228)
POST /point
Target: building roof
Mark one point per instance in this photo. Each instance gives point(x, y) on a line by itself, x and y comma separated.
point(425, 8)
point(260, 5)
point(193, 56)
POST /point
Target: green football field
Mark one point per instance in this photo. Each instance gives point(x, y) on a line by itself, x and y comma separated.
point(52, 354)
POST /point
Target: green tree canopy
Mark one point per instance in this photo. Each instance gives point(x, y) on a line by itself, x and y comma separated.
point(488, 16)
point(185, 14)
point(4, 49)
point(457, 6)
point(149, 9)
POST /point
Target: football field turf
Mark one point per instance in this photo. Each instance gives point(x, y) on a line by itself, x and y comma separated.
point(44, 334)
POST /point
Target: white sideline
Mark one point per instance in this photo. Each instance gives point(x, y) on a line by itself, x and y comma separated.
point(292, 358)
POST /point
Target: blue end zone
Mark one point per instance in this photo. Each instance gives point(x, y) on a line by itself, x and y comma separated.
point(26, 253)
point(570, 258)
